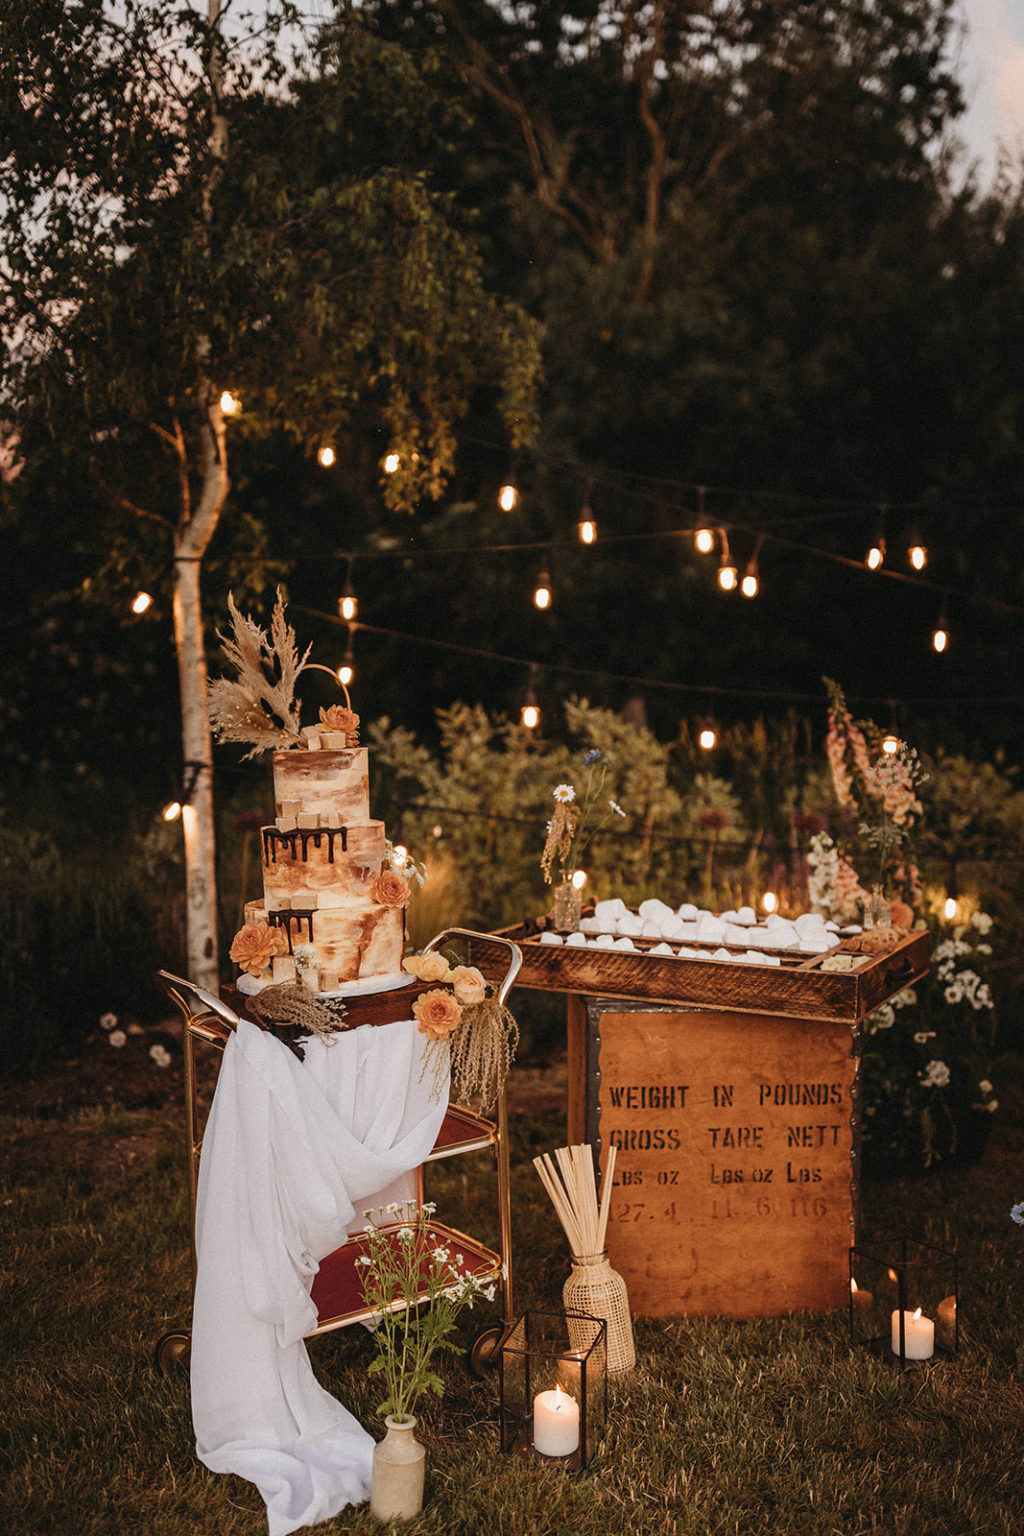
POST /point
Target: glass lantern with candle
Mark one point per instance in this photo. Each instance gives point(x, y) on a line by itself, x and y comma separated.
point(554, 1387)
point(904, 1301)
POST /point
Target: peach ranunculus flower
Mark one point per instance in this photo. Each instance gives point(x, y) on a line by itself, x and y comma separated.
point(437, 1014)
point(901, 914)
point(255, 945)
point(432, 967)
point(468, 984)
point(390, 889)
point(338, 718)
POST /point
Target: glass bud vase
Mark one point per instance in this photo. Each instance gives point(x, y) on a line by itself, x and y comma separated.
point(568, 904)
point(877, 912)
point(399, 1466)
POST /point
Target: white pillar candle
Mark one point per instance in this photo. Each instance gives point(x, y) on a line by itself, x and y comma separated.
point(556, 1423)
point(918, 1335)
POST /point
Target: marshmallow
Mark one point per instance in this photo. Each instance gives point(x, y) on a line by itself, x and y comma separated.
point(662, 949)
point(624, 943)
point(746, 917)
point(575, 940)
point(604, 941)
point(550, 938)
point(654, 910)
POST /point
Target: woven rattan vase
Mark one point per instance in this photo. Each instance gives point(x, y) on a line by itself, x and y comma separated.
point(598, 1290)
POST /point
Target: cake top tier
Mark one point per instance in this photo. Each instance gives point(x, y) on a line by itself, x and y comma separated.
point(324, 782)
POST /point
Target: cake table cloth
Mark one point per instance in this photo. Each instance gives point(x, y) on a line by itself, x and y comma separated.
point(293, 1155)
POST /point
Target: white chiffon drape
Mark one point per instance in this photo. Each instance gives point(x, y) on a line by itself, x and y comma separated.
point(294, 1154)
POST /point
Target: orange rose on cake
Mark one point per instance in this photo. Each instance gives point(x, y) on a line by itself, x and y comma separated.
point(437, 1014)
point(432, 967)
point(392, 890)
point(338, 718)
point(468, 984)
point(255, 945)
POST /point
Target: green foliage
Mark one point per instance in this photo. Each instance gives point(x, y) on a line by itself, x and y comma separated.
point(416, 1292)
point(929, 1084)
point(79, 938)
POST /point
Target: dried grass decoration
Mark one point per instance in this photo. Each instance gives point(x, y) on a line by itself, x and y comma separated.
point(474, 1036)
point(290, 1004)
point(259, 707)
point(593, 1287)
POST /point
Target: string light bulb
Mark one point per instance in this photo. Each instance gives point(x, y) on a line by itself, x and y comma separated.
point(348, 603)
point(508, 495)
point(727, 572)
point(141, 601)
point(391, 463)
point(529, 715)
point(182, 809)
point(769, 901)
point(586, 528)
point(940, 635)
point(230, 404)
point(326, 456)
point(890, 744)
point(750, 585)
point(708, 736)
point(542, 591)
point(875, 557)
point(347, 670)
point(579, 879)
point(704, 538)
point(917, 554)
point(950, 908)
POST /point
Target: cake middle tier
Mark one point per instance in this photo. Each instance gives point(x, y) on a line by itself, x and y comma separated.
point(341, 862)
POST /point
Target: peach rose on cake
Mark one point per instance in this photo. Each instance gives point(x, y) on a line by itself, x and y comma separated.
point(469, 985)
point(391, 889)
point(437, 1014)
point(338, 718)
point(432, 967)
point(255, 945)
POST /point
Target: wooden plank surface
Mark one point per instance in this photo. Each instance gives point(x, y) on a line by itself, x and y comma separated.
point(801, 987)
point(733, 1188)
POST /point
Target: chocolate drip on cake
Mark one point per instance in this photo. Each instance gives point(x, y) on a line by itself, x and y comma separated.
point(273, 837)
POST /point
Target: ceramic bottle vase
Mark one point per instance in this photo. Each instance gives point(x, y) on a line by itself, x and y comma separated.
point(399, 1466)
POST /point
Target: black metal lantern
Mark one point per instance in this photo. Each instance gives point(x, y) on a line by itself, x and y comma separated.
point(554, 1387)
point(904, 1301)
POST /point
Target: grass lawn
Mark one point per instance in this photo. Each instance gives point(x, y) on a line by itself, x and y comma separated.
point(770, 1426)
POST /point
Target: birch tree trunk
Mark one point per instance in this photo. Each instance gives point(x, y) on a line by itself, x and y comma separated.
point(192, 537)
point(191, 540)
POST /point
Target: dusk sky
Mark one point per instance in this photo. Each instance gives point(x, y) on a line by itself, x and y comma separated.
point(993, 78)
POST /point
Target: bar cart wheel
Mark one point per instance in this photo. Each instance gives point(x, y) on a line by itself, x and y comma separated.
point(171, 1352)
point(482, 1354)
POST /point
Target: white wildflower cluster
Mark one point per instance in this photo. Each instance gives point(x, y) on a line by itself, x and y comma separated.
point(934, 1075)
point(415, 1282)
point(963, 984)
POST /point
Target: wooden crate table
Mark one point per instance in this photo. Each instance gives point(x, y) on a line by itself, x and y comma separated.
point(731, 1092)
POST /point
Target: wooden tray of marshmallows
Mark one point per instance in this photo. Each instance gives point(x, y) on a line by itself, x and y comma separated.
point(801, 968)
